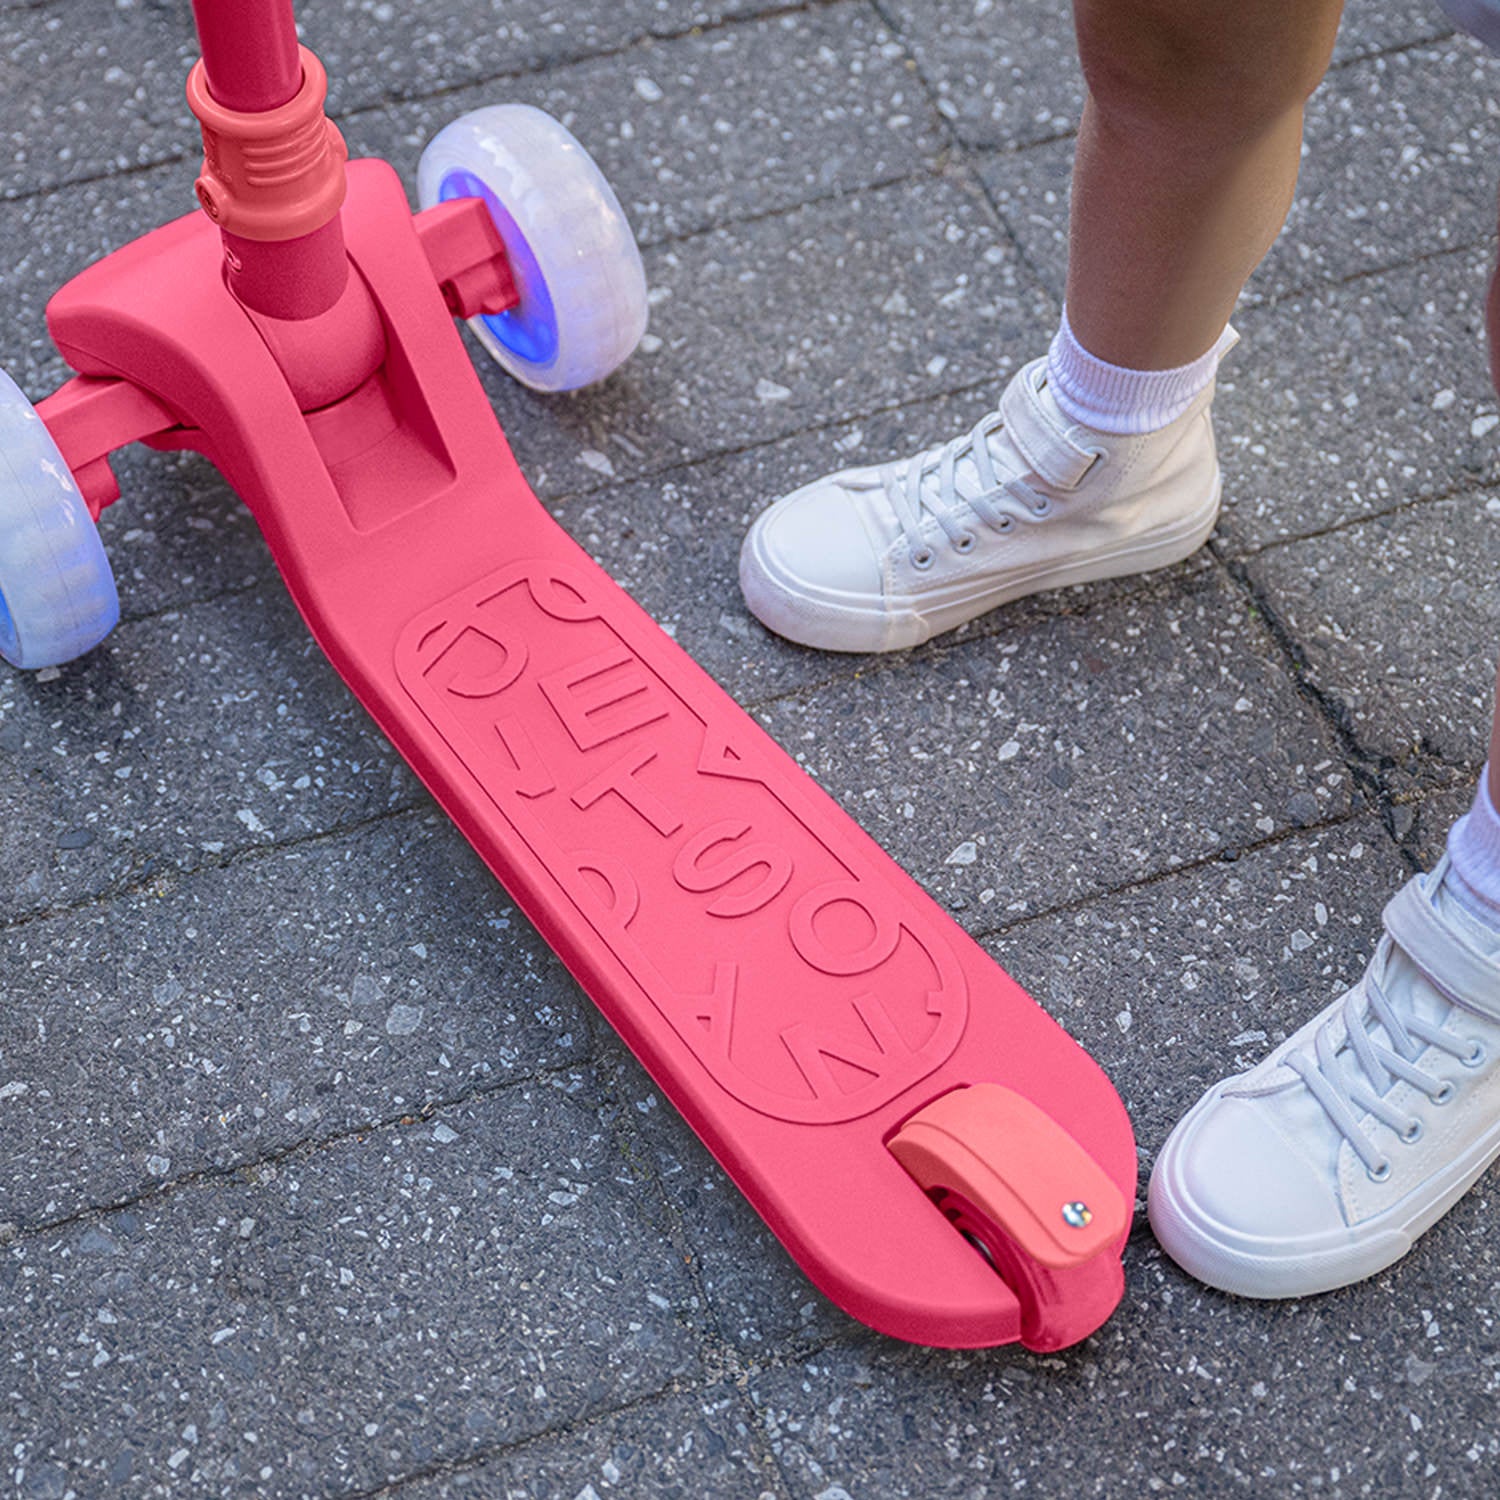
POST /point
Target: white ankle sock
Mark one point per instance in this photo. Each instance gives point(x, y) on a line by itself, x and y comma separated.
point(1126, 402)
point(1474, 845)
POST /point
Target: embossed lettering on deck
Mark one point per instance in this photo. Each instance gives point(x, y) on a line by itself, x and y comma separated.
point(598, 702)
point(689, 871)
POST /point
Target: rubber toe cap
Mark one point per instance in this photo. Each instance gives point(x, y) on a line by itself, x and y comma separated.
point(810, 571)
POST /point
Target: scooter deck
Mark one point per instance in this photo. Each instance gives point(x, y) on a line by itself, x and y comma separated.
point(806, 1006)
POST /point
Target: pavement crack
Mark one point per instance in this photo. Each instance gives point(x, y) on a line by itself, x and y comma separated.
point(246, 854)
point(245, 1169)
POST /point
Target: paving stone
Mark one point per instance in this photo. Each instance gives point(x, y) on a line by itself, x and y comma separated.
point(89, 89)
point(388, 51)
point(184, 738)
point(1399, 619)
point(674, 544)
point(222, 1018)
point(1005, 75)
point(1075, 755)
point(1354, 400)
point(696, 1444)
point(1399, 164)
point(709, 129)
point(113, 76)
point(400, 1300)
point(1176, 984)
point(1383, 1389)
point(760, 330)
point(51, 238)
point(1423, 821)
point(1170, 986)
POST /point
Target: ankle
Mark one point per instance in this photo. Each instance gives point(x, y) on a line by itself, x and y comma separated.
point(1126, 403)
point(1474, 849)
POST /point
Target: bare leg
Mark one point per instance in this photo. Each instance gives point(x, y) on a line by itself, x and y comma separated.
point(1187, 160)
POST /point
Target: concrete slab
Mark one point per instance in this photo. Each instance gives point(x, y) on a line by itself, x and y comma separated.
point(227, 1016)
point(718, 126)
point(1398, 164)
point(184, 739)
point(1399, 621)
point(397, 1301)
point(1356, 400)
point(700, 1443)
point(1018, 773)
point(764, 329)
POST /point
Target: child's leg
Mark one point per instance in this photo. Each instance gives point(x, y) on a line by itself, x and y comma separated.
point(1187, 160)
point(1322, 1165)
point(1100, 460)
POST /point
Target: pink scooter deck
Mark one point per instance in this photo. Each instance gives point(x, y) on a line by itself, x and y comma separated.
point(805, 1005)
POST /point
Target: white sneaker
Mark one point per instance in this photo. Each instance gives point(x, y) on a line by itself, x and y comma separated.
point(1324, 1164)
point(878, 559)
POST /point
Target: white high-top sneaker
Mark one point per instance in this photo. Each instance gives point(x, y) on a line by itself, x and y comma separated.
point(1324, 1164)
point(877, 559)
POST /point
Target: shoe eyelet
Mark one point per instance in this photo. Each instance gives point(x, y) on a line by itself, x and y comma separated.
point(965, 543)
point(1007, 522)
point(1412, 1134)
point(1380, 1173)
point(1476, 1054)
point(1043, 507)
point(924, 559)
point(1445, 1094)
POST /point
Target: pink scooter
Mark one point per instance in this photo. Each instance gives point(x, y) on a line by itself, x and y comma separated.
point(887, 1098)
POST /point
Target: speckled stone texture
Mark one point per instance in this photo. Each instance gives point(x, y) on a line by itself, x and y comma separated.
point(320, 1175)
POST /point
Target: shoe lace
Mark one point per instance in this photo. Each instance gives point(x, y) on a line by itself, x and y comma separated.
point(1345, 1093)
point(962, 472)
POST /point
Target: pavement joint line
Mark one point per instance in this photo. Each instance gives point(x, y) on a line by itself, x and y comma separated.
point(1371, 771)
point(197, 601)
point(1229, 854)
point(960, 151)
point(560, 1431)
point(1235, 552)
point(212, 1176)
point(246, 854)
point(1142, 587)
point(533, 69)
point(1280, 298)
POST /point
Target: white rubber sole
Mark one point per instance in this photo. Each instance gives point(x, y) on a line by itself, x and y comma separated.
point(868, 623)
point(1254, 1266)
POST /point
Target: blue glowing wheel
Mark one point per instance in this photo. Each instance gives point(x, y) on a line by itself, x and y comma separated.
point(57, 593)
point(572, 255)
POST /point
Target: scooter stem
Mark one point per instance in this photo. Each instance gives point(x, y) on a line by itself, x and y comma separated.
point(273, 170)
point(249, 52)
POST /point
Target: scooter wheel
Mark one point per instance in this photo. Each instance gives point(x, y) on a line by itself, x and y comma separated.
point(572, 255)
point(57, 593)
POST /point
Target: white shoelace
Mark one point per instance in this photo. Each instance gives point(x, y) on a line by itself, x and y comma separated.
point(961, 472)
point(1342, 1092)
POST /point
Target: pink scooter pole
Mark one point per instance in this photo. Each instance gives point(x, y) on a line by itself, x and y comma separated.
point(273, 179)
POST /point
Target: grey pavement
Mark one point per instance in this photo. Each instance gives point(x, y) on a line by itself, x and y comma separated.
point(321, 1177)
